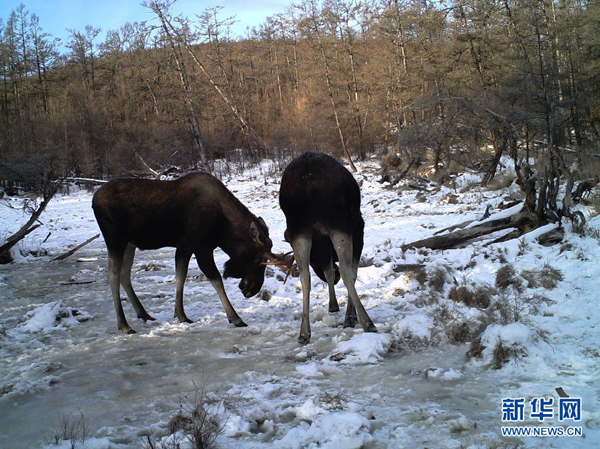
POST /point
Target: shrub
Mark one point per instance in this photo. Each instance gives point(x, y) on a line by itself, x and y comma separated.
point(71, 428)
point(194, 424)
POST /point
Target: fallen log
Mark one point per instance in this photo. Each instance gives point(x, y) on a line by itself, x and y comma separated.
point(514, 234)
point(77, 248)
point(464, 224)
point(552, 237)
point(88, 181)
point(523, 221)
point(5, 257)
point(453, 227)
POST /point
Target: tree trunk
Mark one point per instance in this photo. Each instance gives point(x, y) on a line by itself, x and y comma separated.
point(335, 108)
point(183, 78)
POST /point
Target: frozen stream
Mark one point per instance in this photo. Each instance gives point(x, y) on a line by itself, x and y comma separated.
point(124, 384)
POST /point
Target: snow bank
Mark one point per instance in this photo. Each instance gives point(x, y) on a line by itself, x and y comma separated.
point(338, 430)
point(503, 343)
point(416, 325)
point(51, 317)
point(361, 349)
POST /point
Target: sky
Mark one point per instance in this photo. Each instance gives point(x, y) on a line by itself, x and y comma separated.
point(57, 16)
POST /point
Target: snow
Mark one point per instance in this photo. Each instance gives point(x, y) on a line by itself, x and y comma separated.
point(49, 318)
point(362, 349)
point(336, 430)
point(410, 384)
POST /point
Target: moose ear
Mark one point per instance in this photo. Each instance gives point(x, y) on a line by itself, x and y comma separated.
point(254, 233)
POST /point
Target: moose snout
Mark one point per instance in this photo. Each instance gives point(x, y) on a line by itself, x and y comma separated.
point(248, 290)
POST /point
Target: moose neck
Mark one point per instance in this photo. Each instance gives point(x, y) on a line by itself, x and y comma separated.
point(236, 234)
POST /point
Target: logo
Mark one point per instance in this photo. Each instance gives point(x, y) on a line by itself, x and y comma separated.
point(542, 411)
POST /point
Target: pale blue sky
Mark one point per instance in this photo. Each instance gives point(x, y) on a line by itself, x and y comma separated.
point(58, 15)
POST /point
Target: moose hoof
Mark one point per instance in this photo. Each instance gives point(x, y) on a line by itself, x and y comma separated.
point(370, 328)
point(127, 330)
point(304, 339)
point(333, 309)
point(147, 318)
point(184, 319)
point(350, 322)
point(238, 323)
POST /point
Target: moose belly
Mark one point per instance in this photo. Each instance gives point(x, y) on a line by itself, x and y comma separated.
point(156, 236)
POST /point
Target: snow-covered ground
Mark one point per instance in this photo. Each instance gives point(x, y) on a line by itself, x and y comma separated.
point(64, 367)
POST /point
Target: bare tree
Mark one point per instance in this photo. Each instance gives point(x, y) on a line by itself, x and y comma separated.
point(176, 42)
point(316, 35)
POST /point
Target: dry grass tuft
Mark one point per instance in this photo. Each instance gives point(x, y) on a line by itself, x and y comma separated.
point(334, 401)
point(506, 276)
point(476, 349)
point(502, 355)
point(463, 331)
point(461, 294)
point(548, 277)
point(481, 297)
point(437, 280)
point(194, 426)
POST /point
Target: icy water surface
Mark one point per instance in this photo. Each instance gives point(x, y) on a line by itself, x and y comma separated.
point(125, 385)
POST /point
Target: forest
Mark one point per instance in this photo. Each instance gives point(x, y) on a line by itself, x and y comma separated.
point(451, 83)
point(348, 77)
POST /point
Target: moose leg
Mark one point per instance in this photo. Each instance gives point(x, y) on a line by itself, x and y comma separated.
point(350, 320)
point(126, 283)
point(182, 262)
point(350, 310)
point(330, 276)
point(343, 247)
point(301, 246)
point(206, 262)
point(115, 262)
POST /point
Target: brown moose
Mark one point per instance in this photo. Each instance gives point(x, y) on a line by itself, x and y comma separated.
point(321, 203)
point(194, 214)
